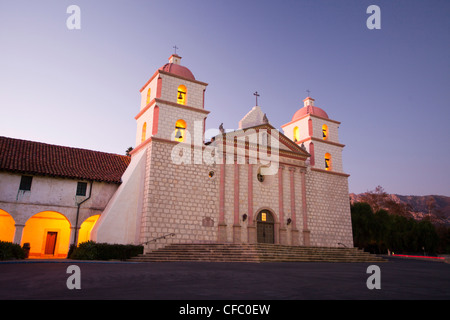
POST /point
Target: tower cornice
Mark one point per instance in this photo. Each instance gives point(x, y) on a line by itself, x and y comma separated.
point(173, 104)
point(321, 140)
point(309, 115)
point(158, 72)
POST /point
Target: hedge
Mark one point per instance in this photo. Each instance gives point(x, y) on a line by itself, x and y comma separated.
point(91, 250)
point(11, 251)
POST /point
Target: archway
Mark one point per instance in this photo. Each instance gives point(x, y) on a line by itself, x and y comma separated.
point(48, 234)
point(7, 226)
point(265, 227)
point(86, 227)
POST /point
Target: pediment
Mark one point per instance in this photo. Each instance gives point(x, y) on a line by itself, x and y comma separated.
point(254, 137)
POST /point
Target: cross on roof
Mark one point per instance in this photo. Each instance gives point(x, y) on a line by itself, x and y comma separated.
point(308, 92)
point(175, 47)
point(256, 94)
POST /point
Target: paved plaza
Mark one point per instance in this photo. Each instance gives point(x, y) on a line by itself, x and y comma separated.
point(400, 279)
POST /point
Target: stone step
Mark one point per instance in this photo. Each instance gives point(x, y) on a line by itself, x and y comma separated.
point(226, 252)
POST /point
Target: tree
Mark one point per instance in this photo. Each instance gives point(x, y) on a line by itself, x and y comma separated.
point(375, 198)
point(362, 219)
point(378, 199)
point(381, 231)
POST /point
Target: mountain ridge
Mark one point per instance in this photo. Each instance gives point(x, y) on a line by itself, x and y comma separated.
point(419, 207)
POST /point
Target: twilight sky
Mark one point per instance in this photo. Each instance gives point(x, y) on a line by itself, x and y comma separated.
point(389, 88)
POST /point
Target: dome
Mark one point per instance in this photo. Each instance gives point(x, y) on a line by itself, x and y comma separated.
point(178, 70)
point(309, 108)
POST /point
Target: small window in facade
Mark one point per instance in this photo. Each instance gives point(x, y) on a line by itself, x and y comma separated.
point(81, 188)
point(180, 127)
point(296, 134)
point(25, 183)
point(327, 161)
point(181, 94)
point(325, 132)
point(148, 96)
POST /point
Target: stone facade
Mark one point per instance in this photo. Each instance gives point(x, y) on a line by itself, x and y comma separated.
point(189, 199)
point(178, 198)
point(328, 209)
point(254, 184)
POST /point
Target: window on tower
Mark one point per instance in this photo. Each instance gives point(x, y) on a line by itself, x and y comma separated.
point(148, 96)
point(325, 132)
point(181, 94)
point(180, 128)
point(144, 131)
point(327, 161)
point(296, 134)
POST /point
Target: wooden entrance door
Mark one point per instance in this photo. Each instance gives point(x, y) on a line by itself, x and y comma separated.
point(50, 243)
point(265, 227)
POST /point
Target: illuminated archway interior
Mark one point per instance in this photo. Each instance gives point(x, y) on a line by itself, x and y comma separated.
point(144, 131)
point(296, 134)
point(328, 161)
point(7, 227)
point(48, 234)
point(148, 96)
point(85, 229)
point(181, 94)
point(180, 127)
point(325, 132)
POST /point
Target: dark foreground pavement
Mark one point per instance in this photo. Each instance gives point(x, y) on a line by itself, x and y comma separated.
point(400, 279)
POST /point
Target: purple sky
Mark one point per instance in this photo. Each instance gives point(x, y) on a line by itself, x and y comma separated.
point(389, 88)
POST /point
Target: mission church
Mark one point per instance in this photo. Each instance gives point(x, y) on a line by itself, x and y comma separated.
point(250, 185)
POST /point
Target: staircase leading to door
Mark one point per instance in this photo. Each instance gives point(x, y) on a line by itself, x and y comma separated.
point(227, 252)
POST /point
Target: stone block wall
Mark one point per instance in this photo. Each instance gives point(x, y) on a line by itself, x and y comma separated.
point(169, 91)
point(333, 129)
point(168, 116)
point(320, 149)
point(329, 218)
point(178, 198)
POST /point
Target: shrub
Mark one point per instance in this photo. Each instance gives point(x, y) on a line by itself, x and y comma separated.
point(91, 250)
point(11, 251)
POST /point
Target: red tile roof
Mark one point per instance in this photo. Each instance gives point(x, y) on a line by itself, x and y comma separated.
point(38, 158)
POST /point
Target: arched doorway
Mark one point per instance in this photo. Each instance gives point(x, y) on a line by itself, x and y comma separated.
point(265, 227)
point(7, 226)
point(48, 234)
point(86, 227)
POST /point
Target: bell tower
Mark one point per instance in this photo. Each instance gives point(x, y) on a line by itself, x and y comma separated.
point(172, 105)
point(310, 126)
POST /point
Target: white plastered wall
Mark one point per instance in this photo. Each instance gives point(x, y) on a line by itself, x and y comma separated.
point(119, 222)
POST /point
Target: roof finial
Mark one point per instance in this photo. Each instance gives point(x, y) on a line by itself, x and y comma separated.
point(175, 47)
point(309, 92)
point(256, 94)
